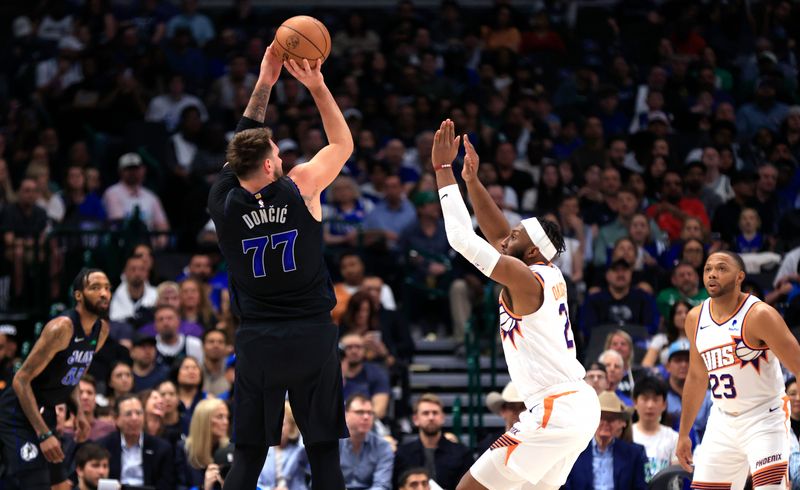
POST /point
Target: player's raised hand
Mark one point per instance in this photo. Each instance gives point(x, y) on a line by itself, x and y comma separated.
point(310, 77)
point(270, 67)
point(445, 145)
point(471, 161)
point(684, 453)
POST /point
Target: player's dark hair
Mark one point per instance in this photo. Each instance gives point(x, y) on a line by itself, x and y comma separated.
point(247, 151)
point(82, 279)
point(353, 398)
point(404, 476)
point(553, 232)
point(650, 385)
point(90, 452)
point(734, 256)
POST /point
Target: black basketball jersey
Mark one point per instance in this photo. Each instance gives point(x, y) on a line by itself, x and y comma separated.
point(55, 384)
point(273, 248)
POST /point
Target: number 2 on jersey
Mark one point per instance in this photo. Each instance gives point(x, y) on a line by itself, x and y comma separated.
point(724, 381)
point(259, 244)
point(562, 310)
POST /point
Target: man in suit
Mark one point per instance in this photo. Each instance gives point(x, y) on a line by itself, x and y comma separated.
point(137, 458)
point(609, 463)
point(445, 461)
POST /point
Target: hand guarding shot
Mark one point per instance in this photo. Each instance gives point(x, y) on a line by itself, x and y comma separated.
point(564, 411)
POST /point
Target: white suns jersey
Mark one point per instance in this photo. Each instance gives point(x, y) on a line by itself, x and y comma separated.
point(539, 348)
point(741, 377)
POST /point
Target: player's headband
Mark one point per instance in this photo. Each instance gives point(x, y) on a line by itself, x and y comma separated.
point(539, 237)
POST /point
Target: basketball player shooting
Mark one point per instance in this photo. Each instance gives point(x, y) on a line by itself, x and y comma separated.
point(563, 411)
point(737, 342)
point(50, 376)
point(270, 232)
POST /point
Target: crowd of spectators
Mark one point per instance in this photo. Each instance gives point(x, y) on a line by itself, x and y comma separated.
point(652, 132)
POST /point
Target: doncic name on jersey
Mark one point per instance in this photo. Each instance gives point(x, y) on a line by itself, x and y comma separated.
point(268, 215)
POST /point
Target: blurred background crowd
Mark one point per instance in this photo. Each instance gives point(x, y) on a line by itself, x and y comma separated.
point(653, 131)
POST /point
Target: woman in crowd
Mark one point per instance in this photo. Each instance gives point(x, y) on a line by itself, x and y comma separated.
point(287, 464)
point(621, 341)
point(153, 405)
point(361, 318)
point(208, 433)
point(171, 419)
point(657, 351)
point(188, 377)
point(195, 305)
point(120, 381)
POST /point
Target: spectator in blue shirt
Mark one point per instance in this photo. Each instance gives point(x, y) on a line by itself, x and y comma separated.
point(763, 112)
point(367, 460)
point(198, 24)
point(392, 214)
point(286, 466)
point(678, 369)
point(363, 378)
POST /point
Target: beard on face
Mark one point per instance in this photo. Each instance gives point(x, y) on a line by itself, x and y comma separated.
point(431, 430)
point(95, 308)
point(723, 289)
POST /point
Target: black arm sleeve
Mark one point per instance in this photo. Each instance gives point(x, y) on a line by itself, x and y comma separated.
point(247, 123)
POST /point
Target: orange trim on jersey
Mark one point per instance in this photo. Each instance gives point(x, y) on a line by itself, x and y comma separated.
point(539, 278)
point(548, 407)
point(787, 412)
point(710, 486)
point(508, 310)
point(711, 311)
point(744, 324)
point(508, 442)
point(717, 347)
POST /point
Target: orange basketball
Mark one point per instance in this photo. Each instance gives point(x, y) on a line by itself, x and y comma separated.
point(302, 37)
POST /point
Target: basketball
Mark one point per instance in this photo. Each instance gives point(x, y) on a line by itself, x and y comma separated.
point(302, 37)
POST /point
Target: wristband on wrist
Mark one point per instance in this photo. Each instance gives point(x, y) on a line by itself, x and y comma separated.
point(46, 436)
point(444, 165)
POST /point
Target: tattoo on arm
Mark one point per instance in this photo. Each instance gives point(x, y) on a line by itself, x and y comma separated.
point(53, 336)
point(257, 107)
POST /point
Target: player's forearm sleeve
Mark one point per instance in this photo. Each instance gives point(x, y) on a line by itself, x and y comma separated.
point(460, 234)
point(247, 123)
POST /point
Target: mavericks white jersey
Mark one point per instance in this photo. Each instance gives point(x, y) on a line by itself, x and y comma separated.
point(539, 348)
point(741, 376)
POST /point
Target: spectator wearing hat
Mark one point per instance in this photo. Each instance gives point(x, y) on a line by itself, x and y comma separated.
point(54, 75)
point(675, 206)
point(763, 112)
point(609, 463)
point(677, 370)
point(726, 218)
point(659, 124)
point(659, 440)
point(619, 303)
point(685, 285)
point(147, 373)
point(508, 405)
point(129, 196)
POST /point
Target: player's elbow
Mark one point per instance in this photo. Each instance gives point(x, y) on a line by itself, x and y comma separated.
point(20, 383)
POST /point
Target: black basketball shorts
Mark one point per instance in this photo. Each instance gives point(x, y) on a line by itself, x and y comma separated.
point(22, 457)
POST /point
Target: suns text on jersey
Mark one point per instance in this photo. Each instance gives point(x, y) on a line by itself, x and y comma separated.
point(269, 215)
point(719, 357)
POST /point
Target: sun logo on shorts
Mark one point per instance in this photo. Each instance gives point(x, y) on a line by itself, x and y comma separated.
point(746, 355)
point(509, 325)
